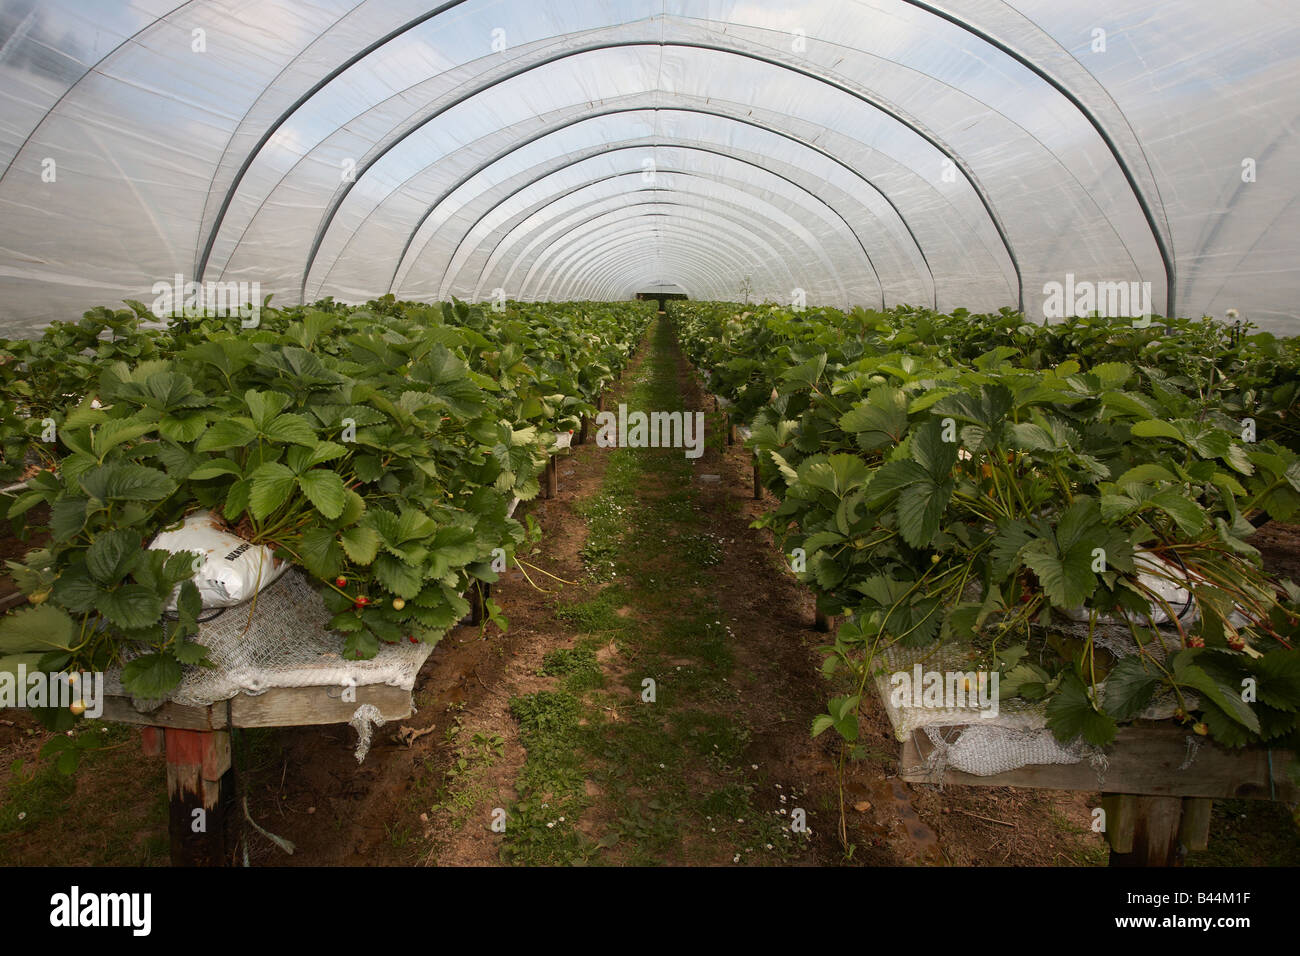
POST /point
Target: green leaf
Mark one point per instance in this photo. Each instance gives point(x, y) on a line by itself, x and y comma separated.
point(67, 517)
point(183, 428)
point(1129, 687)
point(36, 630)
point(291, 428)
point(921, 507)
point(227, 433)
point(1187, 514)
point(237, 499)
point(112, 555)
point(263, 407)
point(187, 652)
point(1155, 428)
point(9, 663)
point(1070, 712)
point(152, 675)
point(127, 481)
point(1225, 696)
point(397, 576)
point(272, 484)
point(75, 590)
point(215, 468)
point(880, 420)
point(324, 489)
point(131, 606)
point(361, 544)
point(1279, 679)
point(931, 452)
point(117, 432)
point(321, 554)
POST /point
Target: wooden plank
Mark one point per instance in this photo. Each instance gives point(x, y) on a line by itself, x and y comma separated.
point(303, 706)
point(278, 707)
point(1144, 760)
point(122, 711)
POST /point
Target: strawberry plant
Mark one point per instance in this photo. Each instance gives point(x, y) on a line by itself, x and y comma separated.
point(376, 448)
point(977, 498)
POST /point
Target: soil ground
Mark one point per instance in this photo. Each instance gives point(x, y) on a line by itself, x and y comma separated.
point(650, 704)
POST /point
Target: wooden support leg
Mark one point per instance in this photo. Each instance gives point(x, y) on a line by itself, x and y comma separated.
point(478, 597)
point(200, 794)
point(1144, 830)
point(823, 622)
point(581, 438)
point(552, 477)
point(1194, 830)
point(731, 430)
point(758, 482)
point(153, 741)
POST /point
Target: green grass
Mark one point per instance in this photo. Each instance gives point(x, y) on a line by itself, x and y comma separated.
point(672, 781)
point(578, 666)
point(89, 817)
point(594, 615)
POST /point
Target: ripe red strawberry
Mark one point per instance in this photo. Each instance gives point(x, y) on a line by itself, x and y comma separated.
point(340, 582)
point(412, 639)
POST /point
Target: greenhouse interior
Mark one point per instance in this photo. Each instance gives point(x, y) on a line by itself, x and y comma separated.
point(692, 433)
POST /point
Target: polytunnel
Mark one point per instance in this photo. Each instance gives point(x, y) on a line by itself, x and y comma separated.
point(629, 433)
point(964, 153)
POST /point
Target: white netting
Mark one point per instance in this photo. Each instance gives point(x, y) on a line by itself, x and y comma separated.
point(365, 720)
point(282, 639)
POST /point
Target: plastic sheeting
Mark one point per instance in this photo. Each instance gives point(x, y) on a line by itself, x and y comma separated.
point(856, 152)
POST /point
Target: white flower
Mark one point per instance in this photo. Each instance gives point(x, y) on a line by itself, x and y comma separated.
point(1233, 313)
point(736, 858)
point(23, 815)
point(550, 825)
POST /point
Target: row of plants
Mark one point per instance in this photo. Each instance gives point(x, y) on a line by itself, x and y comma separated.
point(970, 483)
point(377, 448)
